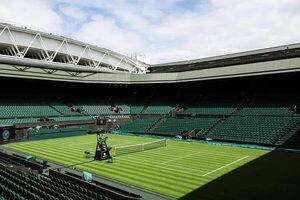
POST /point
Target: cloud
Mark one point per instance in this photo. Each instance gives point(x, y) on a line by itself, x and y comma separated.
point(74, 12)
point(37, 14)
point(167, 32)
point(105, 32)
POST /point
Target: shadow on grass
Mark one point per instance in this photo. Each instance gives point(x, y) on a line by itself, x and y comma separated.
point(274, 176)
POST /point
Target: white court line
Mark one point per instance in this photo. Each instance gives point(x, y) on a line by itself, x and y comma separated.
point(225, 166)
point(209, 151)
point(119, 140)
point(181, 157)
point(79, 144)
point(162, 154)
point(154, 165)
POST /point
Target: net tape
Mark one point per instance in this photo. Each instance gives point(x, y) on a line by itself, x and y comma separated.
point(139, 147)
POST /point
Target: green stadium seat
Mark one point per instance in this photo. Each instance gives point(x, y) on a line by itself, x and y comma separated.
point(174, 126)
point(254, 129)
point(139, 125)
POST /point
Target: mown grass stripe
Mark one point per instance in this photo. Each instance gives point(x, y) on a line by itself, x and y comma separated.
point(175, 178)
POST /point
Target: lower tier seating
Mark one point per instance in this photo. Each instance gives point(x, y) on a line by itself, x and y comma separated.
point(56, 130)
point(19, 185)
point(22, 109)
point(254, 129)
point(18, 121)
point(294, 141)
point(72, 118)
point(36, 120)
point(44, 133)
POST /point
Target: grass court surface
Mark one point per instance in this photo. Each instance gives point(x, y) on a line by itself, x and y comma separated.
point(175, 170)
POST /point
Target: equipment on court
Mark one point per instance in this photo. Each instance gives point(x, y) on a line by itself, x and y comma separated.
point(87, 154)
point(86, 176)
point(102, 151)
point(139, 147)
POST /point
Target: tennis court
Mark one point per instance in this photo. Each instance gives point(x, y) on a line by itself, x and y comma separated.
point(174, 170)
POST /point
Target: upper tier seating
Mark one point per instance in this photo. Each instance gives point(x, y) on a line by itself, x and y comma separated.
point(262, 105)
point(159, 108)
point(64, 109)
point(173, 126)
point(136, 109)
point(254, 129)
point(213, 107)
point(94, 108)
point(139, 125)
point(124, 108)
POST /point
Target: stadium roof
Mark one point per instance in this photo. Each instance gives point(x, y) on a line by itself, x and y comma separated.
point(26, 53)
point(30, 48)
point(261, 55)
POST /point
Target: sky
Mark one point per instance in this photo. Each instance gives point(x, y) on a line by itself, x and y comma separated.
point(163, 30)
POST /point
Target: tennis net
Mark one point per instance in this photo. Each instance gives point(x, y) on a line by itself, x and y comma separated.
point(138, 147)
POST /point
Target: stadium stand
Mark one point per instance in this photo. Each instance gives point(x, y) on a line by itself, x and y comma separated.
point(36, 120)
point(123, 108)
point(43, 131)
point(213, 107)
point(21, 178)
point(266, 120)
point(136, 109)
point(72, 118)
point(203, 110)
point(139, 125)
point(22, 109)
point(178, 126)
point(62, 108)
point(159, 108)
point(93, 108)
point(270, 105)
point(19, 120)
point(293, 140)
point(254, 129)
point(19, 185)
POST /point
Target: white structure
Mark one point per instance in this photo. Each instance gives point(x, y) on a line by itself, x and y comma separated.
point(28, 48)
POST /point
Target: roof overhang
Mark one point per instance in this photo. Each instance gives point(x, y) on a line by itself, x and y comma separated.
point(253, 69)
